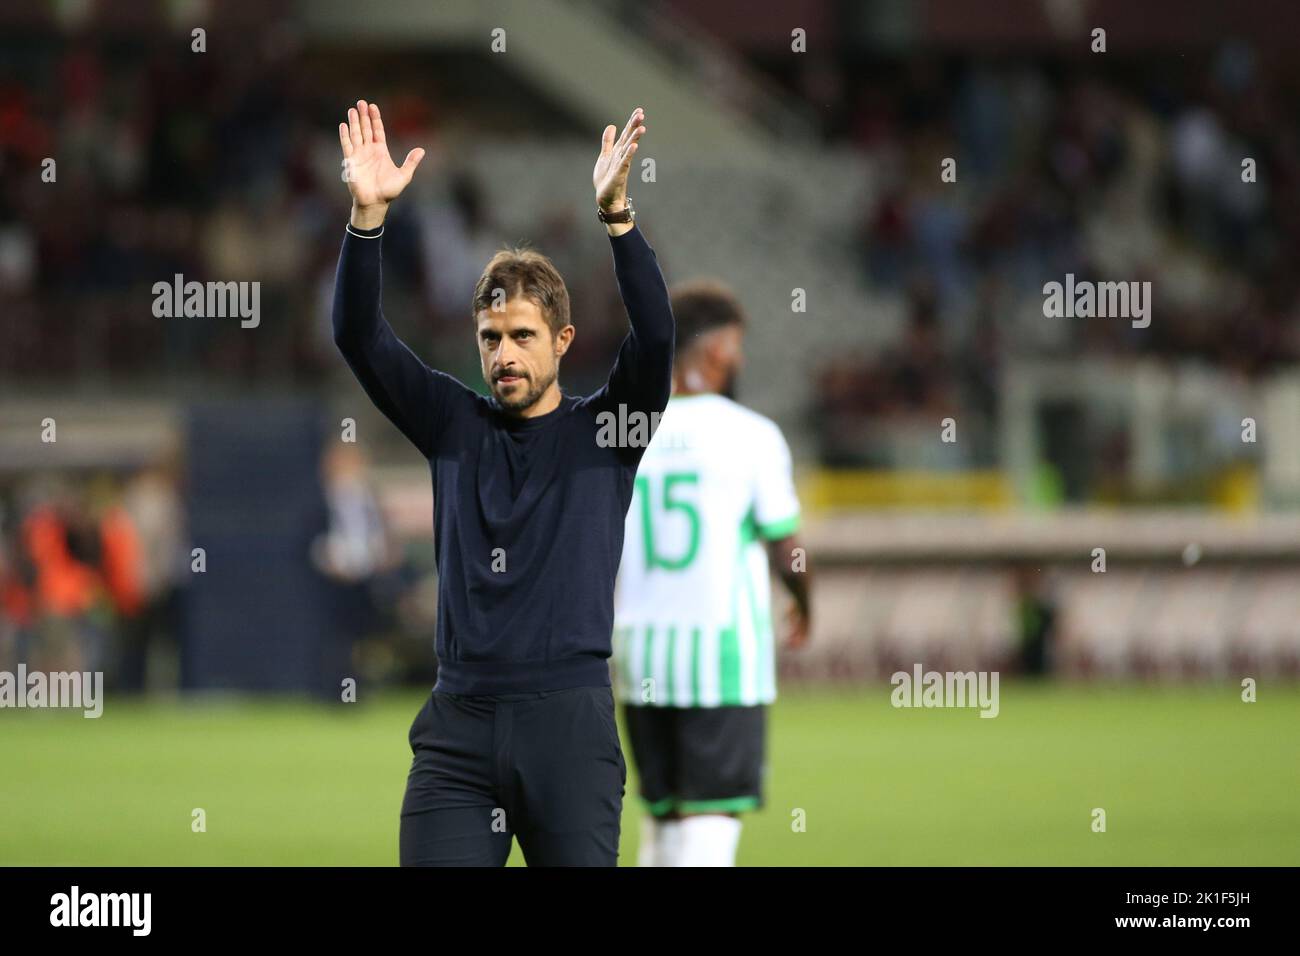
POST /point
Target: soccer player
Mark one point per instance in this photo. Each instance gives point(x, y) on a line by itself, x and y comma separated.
point(694, 640)
point(518, 737)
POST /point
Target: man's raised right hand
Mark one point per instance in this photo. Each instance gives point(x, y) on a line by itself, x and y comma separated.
point(373, 179)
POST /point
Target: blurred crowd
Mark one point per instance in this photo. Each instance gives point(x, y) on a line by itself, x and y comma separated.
point(90, 570)
point(1135, 173)
point(96, 566)
point(222, 167)
point(227, 167)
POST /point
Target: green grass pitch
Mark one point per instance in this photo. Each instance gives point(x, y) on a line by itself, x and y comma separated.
point(1186, 776)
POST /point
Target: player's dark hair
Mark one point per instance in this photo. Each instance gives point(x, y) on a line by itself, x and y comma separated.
point(527, 273)
point(700, 306)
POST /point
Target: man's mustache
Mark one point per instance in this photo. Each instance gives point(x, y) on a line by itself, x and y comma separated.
point(500, 375)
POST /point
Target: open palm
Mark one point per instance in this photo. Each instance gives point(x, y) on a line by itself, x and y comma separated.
point(372, 176)
point(615, 159)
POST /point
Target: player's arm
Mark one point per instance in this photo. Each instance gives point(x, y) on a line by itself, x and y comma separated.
point(406, 390)
point(777, 515)
point(788, 559)
point(642, 373)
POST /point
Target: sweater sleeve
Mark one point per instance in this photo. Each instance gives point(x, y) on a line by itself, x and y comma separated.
point(643, 371)
point(413, 396)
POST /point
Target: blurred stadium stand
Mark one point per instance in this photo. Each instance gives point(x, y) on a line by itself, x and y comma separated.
point(776, 172)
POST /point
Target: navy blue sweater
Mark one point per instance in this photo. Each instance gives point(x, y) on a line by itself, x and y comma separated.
point(541, 489)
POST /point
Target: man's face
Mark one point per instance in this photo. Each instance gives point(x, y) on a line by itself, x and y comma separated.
point(520, 356)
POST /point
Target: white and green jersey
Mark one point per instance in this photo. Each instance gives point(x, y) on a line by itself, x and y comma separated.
point(693, 602)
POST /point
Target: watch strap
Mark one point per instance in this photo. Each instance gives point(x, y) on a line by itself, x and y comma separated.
point(628, 214)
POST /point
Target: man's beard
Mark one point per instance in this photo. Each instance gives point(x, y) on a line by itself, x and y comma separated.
point(728, 388)
point(528, 398)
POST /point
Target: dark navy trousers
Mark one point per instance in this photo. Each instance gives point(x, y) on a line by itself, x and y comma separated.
point(544, 768)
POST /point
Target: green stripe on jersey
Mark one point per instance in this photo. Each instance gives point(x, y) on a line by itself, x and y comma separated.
point(668, 667)
point(780, 529)
point(729, 657)
point(695, 666)
point(646, 671)
point(737, 672)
